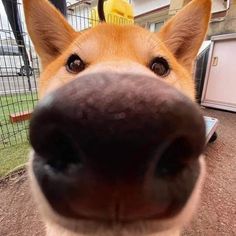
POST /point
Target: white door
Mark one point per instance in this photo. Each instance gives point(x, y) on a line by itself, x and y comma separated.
point(221, 83)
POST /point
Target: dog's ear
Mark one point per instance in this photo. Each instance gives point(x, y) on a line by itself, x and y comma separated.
point(185, 32)
point(48, 29)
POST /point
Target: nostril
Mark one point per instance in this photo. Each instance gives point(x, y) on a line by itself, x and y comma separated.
point(175, 158)
point(58, 150)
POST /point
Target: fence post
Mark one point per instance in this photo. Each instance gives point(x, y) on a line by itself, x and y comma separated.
point(60, 5)
point(15, 22)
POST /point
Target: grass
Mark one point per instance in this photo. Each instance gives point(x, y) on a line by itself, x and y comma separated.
point(12, 157)
point(14, 145)
point(11, 134)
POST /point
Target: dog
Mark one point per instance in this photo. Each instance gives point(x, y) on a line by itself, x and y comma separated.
point(117, 138)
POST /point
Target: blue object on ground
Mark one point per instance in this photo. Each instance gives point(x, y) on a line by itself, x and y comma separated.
point(211, 126)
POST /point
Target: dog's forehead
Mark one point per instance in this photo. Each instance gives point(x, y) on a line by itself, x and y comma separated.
point(127, 41)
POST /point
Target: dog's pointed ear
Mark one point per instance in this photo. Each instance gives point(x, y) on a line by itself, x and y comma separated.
point(48, 29)
point(184, 33)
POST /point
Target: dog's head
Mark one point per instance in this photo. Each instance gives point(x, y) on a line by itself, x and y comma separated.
point(117, 138)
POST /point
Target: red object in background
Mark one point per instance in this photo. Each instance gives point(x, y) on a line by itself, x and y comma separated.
point(20, 116)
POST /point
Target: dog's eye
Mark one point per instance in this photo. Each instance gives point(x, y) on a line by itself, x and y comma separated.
point(160, 66)
point(75, 64)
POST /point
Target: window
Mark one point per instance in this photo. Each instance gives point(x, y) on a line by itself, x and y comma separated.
point(158, 26)
point(155, 27)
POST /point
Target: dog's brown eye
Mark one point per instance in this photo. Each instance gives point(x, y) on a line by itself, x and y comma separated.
point(160, 66)
point(75, 64)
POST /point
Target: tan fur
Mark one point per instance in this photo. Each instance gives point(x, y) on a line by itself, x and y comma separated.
point(130, 49)
point(186, 31)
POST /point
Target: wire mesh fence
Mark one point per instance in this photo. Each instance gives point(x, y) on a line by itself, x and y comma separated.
point(19, 69)
point(19, 65)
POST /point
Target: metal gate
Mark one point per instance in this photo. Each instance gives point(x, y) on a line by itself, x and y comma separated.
point(19, 68)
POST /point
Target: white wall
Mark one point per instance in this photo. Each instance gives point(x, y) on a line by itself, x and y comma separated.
point(143, 6)
point(219, 5)
point(69, 2)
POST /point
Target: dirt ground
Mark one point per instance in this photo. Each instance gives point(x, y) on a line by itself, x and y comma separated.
point(216, 215)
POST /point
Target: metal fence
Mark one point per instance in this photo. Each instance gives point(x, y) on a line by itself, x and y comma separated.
point(19, 69)
point(19, 66)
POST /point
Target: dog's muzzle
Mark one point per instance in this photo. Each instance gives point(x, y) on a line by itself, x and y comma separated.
point(117, 147)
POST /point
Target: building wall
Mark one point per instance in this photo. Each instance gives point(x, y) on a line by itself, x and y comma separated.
point(142, 7)
point(152, 14)
point(176, 5)
point(223, 15)
point(222, 21)
point(156, 17)
point(226, 24)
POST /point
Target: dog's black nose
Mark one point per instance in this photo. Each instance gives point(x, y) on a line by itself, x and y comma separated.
point(111, 146)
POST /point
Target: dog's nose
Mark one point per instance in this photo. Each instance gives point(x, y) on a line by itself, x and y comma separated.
point(111, 146)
